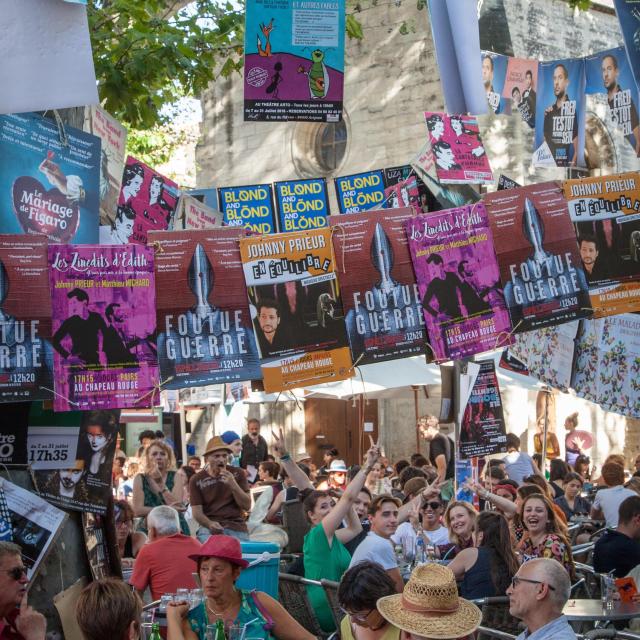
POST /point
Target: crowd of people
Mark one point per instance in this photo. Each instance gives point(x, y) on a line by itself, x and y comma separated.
point(383, 531)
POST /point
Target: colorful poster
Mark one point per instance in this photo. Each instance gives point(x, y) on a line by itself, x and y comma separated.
point(379, 291)
point(520, 87)
point(48, 187)
point(83, 483)
point(403, 188)
point(360, 191)
point(301, 204)
point(459, 281)
point(147, 202)
point(482, 429)
point(114, 141)
point(547, 354)
point(559, 137)
point(104, 326)
point(294, 60)
point(295, 301)
point(466, 473)
point(250, 207)
point(540, 267)
point(457, 149)
point(26, 356)
point(607, 364)
point(205, 335)
point(605, 215)
point(494, 71)
point(191, 213)
point(628, 12)
point(608, 73)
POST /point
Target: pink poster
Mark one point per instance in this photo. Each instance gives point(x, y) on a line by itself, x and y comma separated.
point(104, 326)
point(520, 87)
point(457, 149)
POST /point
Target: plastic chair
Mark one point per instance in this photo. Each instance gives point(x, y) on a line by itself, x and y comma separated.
point(331, 591)
point(293, 597)
point(295, 524)
point(496, 620)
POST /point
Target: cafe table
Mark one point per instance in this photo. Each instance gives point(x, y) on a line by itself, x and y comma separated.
point(586, 610)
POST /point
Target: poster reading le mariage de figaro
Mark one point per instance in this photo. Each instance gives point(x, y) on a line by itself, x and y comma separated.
point(205, 331)
point(299, 321)
point(104, 322)
point(294, 60)
point(379, 291)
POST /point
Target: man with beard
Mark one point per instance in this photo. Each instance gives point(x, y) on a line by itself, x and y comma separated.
point(623, 111)
point(589, 253)
point(269, 338)
point(561, 122)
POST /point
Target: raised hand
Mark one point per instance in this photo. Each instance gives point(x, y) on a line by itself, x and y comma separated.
point(372, 454)
point(278, 442)
point(30, 624)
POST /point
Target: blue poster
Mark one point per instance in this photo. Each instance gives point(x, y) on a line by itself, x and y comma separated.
point(494, 72)
point(47, 187)
point(302, 204)
point(628, 12)
point(206, 196)
point(608, 73)
point(250, 207)
point(294, 60)
point(560, 113)
point(360, 191)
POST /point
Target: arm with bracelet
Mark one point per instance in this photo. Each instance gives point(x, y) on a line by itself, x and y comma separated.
point(297, 475)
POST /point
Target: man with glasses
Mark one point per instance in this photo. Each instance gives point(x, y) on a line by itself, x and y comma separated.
point(537, 596)
point(18, 621)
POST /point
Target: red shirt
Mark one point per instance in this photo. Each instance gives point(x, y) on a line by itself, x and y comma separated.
point(8, 629)
point(164, 567)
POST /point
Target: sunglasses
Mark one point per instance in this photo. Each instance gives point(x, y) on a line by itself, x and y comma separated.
point(362, 617)
point(516, 580)
point(17, 572)
point(432, 505)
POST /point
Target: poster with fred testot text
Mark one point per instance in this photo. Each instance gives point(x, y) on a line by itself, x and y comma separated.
point(104, 326)
point(297, 308)
point(301, 204)
point(605, 212)
point(379, 291)
point(294, 60)
point(360, 191)
point(250, 207)
point(47, 187)
point(26, 356)
point(459, 281)
point(540, 267)
point(205, 334)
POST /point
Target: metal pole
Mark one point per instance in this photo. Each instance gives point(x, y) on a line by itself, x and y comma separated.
point(543, 461)
point(415, 388)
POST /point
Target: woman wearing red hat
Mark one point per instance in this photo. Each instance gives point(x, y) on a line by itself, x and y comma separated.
point(219, 564)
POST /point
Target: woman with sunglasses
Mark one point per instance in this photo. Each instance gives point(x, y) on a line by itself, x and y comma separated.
point(360, 588)
point(129, 541)
point(485, 570)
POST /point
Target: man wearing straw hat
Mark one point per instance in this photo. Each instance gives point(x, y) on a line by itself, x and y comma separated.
point(429, 606)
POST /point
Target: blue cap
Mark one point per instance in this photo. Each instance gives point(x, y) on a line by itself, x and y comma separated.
point(229, 436)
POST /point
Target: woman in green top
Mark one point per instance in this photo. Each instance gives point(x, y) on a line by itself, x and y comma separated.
point(219, 564)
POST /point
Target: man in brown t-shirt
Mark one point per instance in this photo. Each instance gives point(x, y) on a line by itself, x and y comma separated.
point(219, 495)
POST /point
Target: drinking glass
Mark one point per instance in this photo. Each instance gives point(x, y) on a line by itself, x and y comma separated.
point(607, 590)
point(146, 630)
point(235, 632)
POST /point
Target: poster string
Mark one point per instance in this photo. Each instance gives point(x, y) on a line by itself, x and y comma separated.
point(340, 229)
point(62, 134)
point(55, 393)
point(6, 470)
point(157, 247)
point(505, 335)
point(156, 389)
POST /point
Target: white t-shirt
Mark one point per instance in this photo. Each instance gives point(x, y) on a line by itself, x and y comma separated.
point(375, 548)
point(609, 501)
point(406, 536)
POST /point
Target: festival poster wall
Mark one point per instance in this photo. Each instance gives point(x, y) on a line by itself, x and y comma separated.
point(147, 202)
point(205, 334)
point(47, 187)
point(559, 136)
point(360, 191)
point(605, 215)
point(628, 13)
point(191, 213)
point(379, 291)
point(540, 267)
point(82, 482)
point(520, 86)
point(26, 355)
point(294, 60)
point(295, 300)
point(104, 323)
point(494, 71)
point(301, 204)
point(458, 151)
point(459, 281)
point(608, 73)
point(114, 141)
point(482, 428)
point(250, 207)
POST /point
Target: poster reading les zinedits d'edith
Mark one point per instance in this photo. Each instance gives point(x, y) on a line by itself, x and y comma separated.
point(459, 281)
point(205, 331)
point(294, 60)
point(104, 322)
